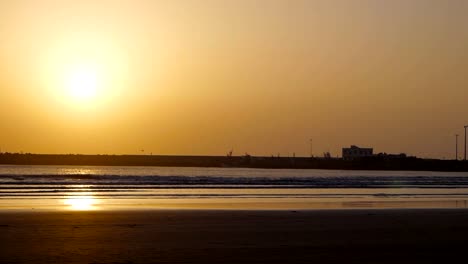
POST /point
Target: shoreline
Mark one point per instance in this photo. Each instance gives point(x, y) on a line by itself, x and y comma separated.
point(95, 204)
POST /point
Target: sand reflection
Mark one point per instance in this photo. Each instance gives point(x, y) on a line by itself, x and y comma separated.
point(81, 203)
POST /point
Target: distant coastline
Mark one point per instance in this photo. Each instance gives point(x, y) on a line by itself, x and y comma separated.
point(367, 163)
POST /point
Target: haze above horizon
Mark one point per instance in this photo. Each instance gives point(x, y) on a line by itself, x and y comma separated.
point(205, 77)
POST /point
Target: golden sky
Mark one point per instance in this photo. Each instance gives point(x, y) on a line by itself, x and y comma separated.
point(258, 76)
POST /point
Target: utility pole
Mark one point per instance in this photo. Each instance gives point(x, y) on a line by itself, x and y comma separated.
point(456, 147)
point(465, 141)
point(311, 150)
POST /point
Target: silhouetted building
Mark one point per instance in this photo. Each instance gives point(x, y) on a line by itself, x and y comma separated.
point(356, 152)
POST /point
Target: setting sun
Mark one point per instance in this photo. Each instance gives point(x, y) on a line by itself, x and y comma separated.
point(83, 71)
point(82, 83)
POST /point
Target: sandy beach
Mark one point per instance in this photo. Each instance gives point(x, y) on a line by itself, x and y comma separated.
point(234, 236)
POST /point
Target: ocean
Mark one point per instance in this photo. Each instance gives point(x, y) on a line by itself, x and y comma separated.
point(133, 188)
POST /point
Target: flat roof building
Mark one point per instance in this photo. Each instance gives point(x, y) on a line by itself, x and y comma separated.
point(356, 152)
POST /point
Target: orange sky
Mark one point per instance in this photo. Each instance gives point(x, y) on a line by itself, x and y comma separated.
point(202, 77)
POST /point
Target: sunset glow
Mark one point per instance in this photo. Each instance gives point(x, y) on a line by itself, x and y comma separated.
point(191, 78)
point(233, 131)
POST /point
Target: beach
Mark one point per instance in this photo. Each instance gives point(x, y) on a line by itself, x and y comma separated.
point(275, 132)
point(76, 214)
point(234, 236)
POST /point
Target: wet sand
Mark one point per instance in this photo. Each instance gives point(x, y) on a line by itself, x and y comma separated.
point(234, 236)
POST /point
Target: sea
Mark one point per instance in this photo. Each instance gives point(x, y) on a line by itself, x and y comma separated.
point(146, 188)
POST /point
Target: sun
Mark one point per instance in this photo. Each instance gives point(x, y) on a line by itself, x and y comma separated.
point(82, 82)
point(85, 71)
